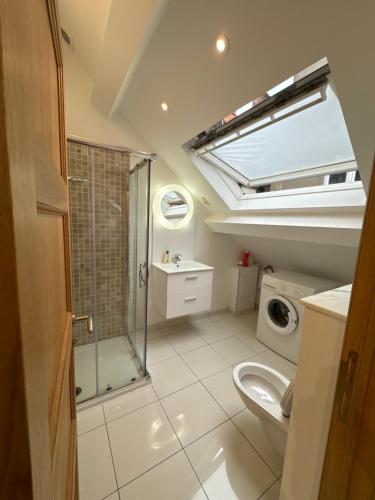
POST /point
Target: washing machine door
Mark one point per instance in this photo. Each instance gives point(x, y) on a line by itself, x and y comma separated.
point(280, 314)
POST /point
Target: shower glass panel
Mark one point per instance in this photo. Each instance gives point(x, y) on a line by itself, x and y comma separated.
point(109, 211)
point(138, 257)
point(83, 269)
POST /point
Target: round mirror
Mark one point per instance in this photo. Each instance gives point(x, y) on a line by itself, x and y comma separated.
point(173, 206)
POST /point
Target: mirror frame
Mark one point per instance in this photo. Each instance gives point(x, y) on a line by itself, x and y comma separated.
point(158, 213)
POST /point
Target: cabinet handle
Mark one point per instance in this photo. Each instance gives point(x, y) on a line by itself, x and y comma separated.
point(191, 277)
point(189, 299)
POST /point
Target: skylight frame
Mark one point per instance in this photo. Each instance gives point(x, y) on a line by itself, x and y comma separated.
point(208, 151)
point(235, 190)
point(265, 120)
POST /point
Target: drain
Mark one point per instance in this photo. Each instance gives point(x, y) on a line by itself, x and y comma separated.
point(78, 390)
point(109, 388)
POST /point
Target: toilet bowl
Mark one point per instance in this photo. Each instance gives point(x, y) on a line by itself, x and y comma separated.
point(261, 389)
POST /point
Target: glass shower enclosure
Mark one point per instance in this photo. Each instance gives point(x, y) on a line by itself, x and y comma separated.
point(109, 190)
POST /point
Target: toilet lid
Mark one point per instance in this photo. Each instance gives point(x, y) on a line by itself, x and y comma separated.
point(280, 314)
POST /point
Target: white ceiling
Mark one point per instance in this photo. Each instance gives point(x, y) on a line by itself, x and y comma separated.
point(85, 21)
point(269, 41)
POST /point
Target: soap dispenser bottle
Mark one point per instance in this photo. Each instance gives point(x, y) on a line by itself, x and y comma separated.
point(167, 258)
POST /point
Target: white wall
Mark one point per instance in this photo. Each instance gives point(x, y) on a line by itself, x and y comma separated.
point(327, 261)
point(83, 119)
point(194, 241)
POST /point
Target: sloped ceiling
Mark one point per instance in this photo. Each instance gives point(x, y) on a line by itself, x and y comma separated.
point(269, 41)
point(85, 22)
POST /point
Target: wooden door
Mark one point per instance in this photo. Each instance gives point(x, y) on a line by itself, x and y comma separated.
point(37, 418)
point(349, 468)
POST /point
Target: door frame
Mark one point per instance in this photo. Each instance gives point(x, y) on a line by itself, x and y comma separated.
point(352, 431)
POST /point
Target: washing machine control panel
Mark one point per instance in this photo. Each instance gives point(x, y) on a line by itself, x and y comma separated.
point(288, 289)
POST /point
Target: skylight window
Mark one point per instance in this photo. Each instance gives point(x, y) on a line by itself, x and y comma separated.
point(295, 140)
point(292, 137)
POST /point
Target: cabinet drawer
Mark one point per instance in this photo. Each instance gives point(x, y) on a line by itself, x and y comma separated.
point(190, 282)
point(181, 304)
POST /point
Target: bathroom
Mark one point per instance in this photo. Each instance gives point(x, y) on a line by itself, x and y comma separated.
point(186, 401)
point(216, 188)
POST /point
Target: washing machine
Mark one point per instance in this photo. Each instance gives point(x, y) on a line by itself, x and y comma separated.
point(280, 311)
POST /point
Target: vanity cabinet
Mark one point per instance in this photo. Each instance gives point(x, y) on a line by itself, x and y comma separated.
point(181, 291)
point(322, 339)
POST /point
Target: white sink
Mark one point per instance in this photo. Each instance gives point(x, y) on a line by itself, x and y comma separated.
point(183, 266)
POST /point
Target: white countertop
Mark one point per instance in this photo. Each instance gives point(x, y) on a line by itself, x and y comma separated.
point(332, 302)
point(185, 266)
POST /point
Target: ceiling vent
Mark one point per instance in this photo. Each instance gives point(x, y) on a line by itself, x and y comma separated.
point(67, 38)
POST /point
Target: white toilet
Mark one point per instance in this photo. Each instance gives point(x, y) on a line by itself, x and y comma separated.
point(261, 389)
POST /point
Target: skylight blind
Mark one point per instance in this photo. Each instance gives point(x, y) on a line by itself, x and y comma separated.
point(313, 137)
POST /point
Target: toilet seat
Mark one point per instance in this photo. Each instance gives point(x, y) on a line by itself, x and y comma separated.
point(261, 388)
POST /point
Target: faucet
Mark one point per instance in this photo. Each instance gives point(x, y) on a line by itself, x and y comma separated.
point(177, 259)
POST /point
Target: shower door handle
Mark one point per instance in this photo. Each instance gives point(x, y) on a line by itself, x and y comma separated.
point(86, 317)
point(141, 277)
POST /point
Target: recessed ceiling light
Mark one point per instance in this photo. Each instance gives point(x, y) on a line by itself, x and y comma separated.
point(164, 106)
point(222, 43)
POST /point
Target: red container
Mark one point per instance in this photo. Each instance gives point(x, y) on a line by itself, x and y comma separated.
point(245, 258)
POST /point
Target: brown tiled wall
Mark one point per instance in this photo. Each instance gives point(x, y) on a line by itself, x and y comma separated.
point(98, 220)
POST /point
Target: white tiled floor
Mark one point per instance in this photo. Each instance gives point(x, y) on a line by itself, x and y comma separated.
point(204, 361)
point(193, 412)
point(188, 436)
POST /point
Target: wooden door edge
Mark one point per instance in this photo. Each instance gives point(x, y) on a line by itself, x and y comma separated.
point(343, 436)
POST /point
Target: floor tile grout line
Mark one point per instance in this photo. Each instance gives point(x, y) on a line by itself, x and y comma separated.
point(198, 381)
point(132, 411)
point(189, 350)
point(267, 489)
point(93, 429)
point(208, 432)
point(113, 461)
point(149, 469)
point(109, 494)
point(188, 367)
point(218, 340)
point(252, 446)
point(199, 378)
point(222, 407)
point(218, 425)
point(178, 390)
point(161, 360)
point(147, 404)
point(183, 449)
point(239, 361)
point(210, 344)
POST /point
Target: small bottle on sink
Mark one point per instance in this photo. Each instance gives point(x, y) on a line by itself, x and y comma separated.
point(167, 259)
